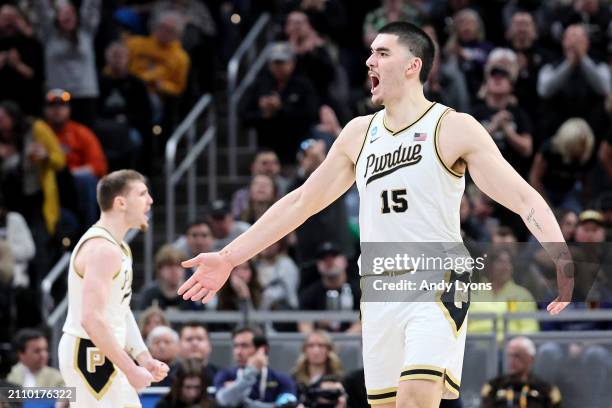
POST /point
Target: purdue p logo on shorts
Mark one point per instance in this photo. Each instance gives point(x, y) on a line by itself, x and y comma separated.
point(94, 368)
point(94, 359)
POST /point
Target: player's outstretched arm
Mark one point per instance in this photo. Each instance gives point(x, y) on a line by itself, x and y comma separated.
point(496, 178)
point(101, 260)
point(333, 177)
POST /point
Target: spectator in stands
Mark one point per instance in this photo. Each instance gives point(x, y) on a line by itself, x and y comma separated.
point(318, 359)
point(330, 224)
point(281, 105)
point(84, 155)
point(390, 11)
point(519, 386)
point(279, 277)
point(332, 291)
point(499, 112)
point(21, 62)
point(196, 346)
point(15, 231)
point(243, 292)
point(252, 382)
point(568, 221)
point(70, 62)
point(160, 61)
point(328, 128)
point(312, 58)
point(482, 211)
point(590, 81)
point(150, 318)
point(522, 39)
point(125, 101)
point(33, 354)
point(262, 195)
point(504, 297)
point(189, 388)
point(198, 238)
point(169, 277)
point(7, 293)
point(471, 229)
point(446, 83)
point(329, 17)
point(224, 227)
point(163, 342)
point(561, 166)
point(31, 156)
point(328, 392)
point(468, 46)
point(265, 162)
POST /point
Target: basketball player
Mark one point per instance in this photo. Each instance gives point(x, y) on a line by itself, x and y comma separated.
point(101, 336)
point(410, 196)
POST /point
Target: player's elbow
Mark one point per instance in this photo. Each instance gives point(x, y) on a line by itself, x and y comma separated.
point(302, 202)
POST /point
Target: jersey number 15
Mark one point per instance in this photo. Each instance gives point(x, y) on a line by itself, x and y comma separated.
point(399, 204)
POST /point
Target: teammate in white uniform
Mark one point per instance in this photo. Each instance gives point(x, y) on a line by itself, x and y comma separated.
point(100, 333)
point(408, 161)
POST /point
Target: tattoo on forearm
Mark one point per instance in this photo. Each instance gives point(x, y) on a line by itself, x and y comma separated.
point(532, 220)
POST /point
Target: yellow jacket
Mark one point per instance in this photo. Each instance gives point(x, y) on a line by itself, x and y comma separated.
point(164, 68)
point(56, 160)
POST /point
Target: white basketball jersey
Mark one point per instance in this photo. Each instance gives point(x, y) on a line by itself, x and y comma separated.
point(118, 303)
point(406, 192)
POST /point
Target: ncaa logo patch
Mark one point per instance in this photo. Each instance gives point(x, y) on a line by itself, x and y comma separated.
point(373, 134)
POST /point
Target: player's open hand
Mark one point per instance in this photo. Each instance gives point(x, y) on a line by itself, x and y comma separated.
point(139, 377)
point(158, 369)
point(212, 271)
point(565, 283)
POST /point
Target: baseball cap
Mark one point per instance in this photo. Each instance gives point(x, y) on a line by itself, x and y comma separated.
point(591, 215)
point(280, 51)
point(327, 248)
point(218, 208)
point(57, 96)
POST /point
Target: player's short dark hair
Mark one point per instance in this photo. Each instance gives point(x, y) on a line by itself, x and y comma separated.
point(417, 41)
point(115, 184)
point(193, 323)
point(23, 336)
point(259, 338)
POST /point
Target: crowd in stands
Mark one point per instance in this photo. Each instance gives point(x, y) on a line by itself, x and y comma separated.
point(92, 86)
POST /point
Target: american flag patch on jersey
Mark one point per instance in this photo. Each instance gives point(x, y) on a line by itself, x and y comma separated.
point(420, 137)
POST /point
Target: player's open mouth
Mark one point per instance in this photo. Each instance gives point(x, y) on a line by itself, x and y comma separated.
point(374, 83)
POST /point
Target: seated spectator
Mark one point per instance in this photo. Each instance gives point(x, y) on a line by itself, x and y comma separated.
point(265, 162)
point(318, 360)
point(468, 46)
point(471, 229)
point(70, 61)
point(84, 155)
point(262, 195)
point(590, 81)
point(519, 385)
point(31, 156)
point(196, 346)
point(331, 223)
point(163, 343)
point(189, 388)
point(328, 391)
point(33, 369)
point(279, 277)
point(568, 221)
point(332, 291)
point(281, 105)
point(169, 277)
point(243, 291)
point(224, 228)
point(242, 385)
point(21, 62)
point(7, 293)
point(328, 128)
point(15, 231)
point(150, 318)
point(125, 101)
point(505, 297)
point(389, 12)
point(499, 113)
point(446, 83)
point(562, 165)
point(160, 61)
point(198, 238)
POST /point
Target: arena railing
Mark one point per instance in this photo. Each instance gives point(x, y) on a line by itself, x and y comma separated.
point(175, 172)
point(246, 52)
point(586, 315)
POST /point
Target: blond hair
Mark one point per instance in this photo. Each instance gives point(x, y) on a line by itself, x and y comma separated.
point(574, 141)
point(169, 255)
point(146, 316)
point(333, 364)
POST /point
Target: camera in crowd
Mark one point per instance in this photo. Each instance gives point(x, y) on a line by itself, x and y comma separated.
point(327, 392)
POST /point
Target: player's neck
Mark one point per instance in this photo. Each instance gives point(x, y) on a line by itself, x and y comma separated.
point(114, 225)
point(407, 109)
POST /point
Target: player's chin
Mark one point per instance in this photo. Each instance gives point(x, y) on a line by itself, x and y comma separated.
point(376, 100)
